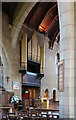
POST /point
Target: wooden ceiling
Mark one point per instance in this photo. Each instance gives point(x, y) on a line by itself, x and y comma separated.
point(43, 17)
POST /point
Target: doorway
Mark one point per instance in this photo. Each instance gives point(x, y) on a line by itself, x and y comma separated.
point(54, 95)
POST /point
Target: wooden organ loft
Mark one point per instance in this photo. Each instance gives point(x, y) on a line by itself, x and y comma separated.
point(32, 66)
point(31, 57)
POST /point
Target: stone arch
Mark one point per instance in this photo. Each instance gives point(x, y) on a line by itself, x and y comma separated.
point(19, 19)
point(4, 54)
point(49, 93)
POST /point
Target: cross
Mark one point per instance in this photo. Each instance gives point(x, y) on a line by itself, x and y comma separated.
point(7, 79)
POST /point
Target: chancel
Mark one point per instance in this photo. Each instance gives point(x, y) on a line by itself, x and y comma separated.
point(38, 60)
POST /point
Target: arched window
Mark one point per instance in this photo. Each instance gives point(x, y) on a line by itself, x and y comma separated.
point(57, 59)
point(46, 93)
point(54, 95)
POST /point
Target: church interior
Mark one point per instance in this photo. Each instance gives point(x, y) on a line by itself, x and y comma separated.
point(37, 60)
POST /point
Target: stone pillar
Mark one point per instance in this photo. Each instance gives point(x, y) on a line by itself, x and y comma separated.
point(75, 59)
point(67, 50)
point(1, 57)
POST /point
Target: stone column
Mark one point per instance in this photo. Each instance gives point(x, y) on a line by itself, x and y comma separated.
point(67, 50)
point(75, 59)
point(1, 57)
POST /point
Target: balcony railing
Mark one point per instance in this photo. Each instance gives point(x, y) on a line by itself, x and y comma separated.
point(32, 80)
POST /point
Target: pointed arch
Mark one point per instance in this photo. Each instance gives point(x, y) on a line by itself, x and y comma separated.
point(19, 19)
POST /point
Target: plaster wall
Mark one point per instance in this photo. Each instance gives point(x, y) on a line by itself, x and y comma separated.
point(10, 57)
